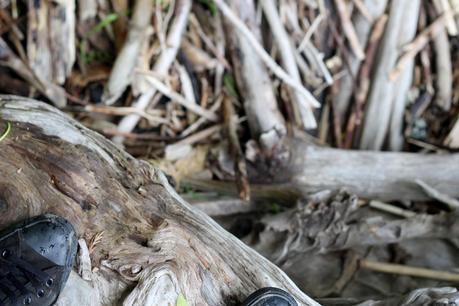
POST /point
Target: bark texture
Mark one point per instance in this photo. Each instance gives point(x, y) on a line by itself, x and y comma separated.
point(146, 245)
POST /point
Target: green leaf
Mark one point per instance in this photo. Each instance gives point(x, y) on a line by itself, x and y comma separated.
point(230, 84)
point(275, 208)
point(103, 23)
point(210, 6)
point(181, 301)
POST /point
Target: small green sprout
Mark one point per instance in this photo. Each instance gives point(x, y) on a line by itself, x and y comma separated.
point(6, 132)
point(110, 18)
point(181, 301)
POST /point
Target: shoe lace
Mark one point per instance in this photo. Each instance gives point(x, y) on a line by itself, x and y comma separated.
point(14, 270)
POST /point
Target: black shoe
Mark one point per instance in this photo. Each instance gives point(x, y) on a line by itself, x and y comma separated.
point(270, 297)
point(36, 258)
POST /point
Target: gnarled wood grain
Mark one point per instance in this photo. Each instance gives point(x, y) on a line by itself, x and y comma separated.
point(151, 246)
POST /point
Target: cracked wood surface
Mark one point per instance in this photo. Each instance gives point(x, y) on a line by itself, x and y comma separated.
point(146, 244)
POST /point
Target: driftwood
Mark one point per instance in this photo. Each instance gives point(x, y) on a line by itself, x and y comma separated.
point(385, 176)
point(309, 242)
point(374, 175)
point(146, 245)
point(337, 224)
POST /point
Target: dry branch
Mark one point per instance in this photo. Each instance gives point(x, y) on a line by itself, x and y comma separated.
point(417, 45)
point(54, 93)
point(123, 68)
point(386, 100)
point(174, 96)
point(240, 167)
point(435, 194)
point(287, 54)
point(349, 30)
point(392, 209)
point(410, 271)
point(363, 83)
point(363, 28)
point(260, 102)
point(444, 81)
point(452, 140)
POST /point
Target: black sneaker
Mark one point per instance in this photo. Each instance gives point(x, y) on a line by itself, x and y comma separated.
point(270, 297)
point(36, 258)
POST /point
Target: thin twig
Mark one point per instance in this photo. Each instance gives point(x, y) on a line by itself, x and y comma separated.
point(288, 59)
point(443, 6)
point(122, 111)
point(199, 135)
point(193, 127)
point(240, 167)
point(187, 89)
point(437, 195)
point(169, 92)
point(444, 69)
point(409, 271)
point(363, 10)
point(220, 46)
point(391, 209)
point(412, 49)
point(363, 84)
point(307, 37)
point(84, 259)
point(349, 30)
point(219, 54)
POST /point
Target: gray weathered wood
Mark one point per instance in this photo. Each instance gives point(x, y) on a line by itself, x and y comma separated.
point(152, 245)
point(375, 175)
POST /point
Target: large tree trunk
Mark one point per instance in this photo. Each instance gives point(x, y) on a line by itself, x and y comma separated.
point(146, 245)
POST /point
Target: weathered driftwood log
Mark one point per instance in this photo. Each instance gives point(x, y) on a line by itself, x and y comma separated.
point(375, 175)
point(146, 245)
point(386, 176)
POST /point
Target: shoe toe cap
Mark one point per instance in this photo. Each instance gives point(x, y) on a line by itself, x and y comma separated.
point(51, 237)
